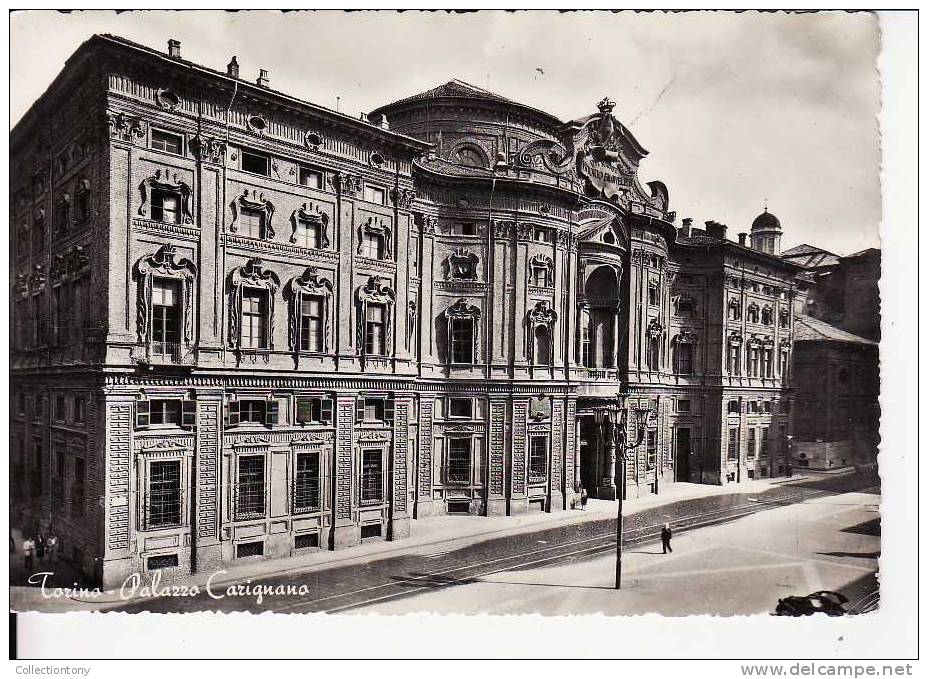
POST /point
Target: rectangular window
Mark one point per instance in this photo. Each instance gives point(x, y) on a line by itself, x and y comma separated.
point(752, 443)
point(684, 405)
point(165, 206)
point(375, 194)
point(38, 236)
point(165, 317)
point(245, 549)
point(461, 407)
point(254, 411)
point(78, 493)
point(653, 295)
point(684, 359)
point(374, 410)
point(63, 309)
point(463, 229)
point(254, 319)
point(311, 323)
point(768, 363)
point(79, 410)
point(163, 493)
point(538, 459)
point(61, 411)
point(459, 461)
point(165, 411)
point(733, 443)
point(310, 178)
point(314, 409)
point(767, 407)
point(160, 561)
point(309, 233)
point(542, 235)
point(249, 492)
point(462, 340)
point(166, 141)
point(375, 328)
point(652, 448)
point(734, 359)
point(371, 476)
point(257, 163)
point(251, 223)
point(753, 362)
point(372, 245)
point(540, 276)
point(306, 483)
point(306, 541)
point(764, 441)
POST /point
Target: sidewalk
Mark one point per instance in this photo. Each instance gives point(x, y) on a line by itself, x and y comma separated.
point(428, 536)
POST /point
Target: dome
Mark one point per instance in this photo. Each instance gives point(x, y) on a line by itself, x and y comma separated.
point(766, 221)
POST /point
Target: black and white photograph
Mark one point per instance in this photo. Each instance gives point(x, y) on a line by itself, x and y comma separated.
point(354, 317)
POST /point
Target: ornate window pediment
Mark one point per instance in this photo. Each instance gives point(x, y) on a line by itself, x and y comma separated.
point(684, 305)
point(170, 184)
point(402, 198)
point(307, 285)
point(541, 319)
point(785, 344)
point(375, 228)
point(251, 275)
point(253, 201)
point(462, 265)
point(542, 314)
point(314, 218)
point(541, 268)
point(164, 264)
point(685, 336)
point(735, 339)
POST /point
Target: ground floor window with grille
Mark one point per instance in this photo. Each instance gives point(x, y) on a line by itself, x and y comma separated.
point(733, 436)
point(163, 494)
point(652, 448)
point(306, 483)
point(249, 496)
point(537, 459)
point(459, 461)
point(371, 477)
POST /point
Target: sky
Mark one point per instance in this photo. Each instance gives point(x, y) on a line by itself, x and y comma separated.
point(735, 108)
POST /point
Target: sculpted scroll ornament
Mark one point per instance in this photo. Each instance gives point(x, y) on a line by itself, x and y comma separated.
point(207, 149)
point(344, 183)
point(402, 198)
point(163, 264)
point(462, 265)
point(125, 127)
point(165, 182)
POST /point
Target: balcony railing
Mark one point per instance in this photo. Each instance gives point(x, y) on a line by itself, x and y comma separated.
point(167, 352)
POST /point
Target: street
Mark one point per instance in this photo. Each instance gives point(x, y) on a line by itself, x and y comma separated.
point(791, 539)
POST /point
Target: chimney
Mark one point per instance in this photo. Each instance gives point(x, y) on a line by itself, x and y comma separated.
point(263, 79)
point(742, 238)
point(174, 48)
point(687, 225)
point(363, 118)
point(715, 230)
point(232, 68)
point(384, 124)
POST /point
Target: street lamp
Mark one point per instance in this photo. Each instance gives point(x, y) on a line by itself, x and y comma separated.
point(622, 448)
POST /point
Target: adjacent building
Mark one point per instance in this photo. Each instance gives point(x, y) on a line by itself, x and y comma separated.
point(248, 326)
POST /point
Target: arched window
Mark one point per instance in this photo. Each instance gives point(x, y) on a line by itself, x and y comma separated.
point(753, 313)
point(734, 355)
point(541, 321)
point(766, 316)
point(734, 311)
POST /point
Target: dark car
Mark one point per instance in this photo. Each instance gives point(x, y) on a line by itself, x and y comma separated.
point(829, 603)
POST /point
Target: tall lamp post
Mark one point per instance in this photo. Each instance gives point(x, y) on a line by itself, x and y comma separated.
point(622, 448)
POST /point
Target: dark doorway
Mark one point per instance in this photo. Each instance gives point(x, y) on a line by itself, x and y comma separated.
point(589, 455)
point(683, 454)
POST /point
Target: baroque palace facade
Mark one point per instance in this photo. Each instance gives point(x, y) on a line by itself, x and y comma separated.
point(244, 325)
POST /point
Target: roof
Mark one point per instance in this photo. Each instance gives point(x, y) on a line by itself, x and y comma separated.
point(458, 89)
point(334, 116)
point(863, 253)
point(449, 169)
point(810, 256)
point(808, 329)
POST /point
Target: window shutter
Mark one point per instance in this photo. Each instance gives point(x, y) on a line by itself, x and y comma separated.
point(388, 409)
point(189, 413)
point(326, 410)
point(272, 414)
point(142, 414)
point(359, 410)
point(233, 415)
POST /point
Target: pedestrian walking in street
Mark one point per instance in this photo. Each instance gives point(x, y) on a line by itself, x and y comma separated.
point(28, 553)
point(51, 545)
point(666, 534)
point(583, 499)
point(40, 547)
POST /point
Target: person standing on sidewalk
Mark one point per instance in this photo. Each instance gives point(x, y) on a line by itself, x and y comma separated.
point(40, 547)
point(51, 544)
point(666, 534)
point(583, 499)
point(28, 553)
